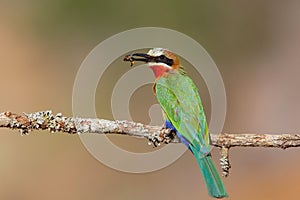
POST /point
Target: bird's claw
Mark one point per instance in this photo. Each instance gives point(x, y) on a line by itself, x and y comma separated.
point(167, 135)
point(164, 136)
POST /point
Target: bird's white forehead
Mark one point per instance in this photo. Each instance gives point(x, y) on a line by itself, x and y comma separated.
point(156, 52)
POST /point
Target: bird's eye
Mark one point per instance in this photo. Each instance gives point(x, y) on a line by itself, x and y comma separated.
point(161, 58)
point(164, 59)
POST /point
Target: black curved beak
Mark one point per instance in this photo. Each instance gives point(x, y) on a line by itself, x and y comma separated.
point(143, 57)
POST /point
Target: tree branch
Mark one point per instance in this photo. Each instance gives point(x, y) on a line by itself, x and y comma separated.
point(45, 120)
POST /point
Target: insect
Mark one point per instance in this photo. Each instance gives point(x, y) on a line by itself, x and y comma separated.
point(129, 58)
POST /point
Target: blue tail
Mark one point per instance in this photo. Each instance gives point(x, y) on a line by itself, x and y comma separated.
point(212, 179)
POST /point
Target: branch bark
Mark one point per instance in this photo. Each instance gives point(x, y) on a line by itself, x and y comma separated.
point(45, 120)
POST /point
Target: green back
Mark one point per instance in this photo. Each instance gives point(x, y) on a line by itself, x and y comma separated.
point(180, 100)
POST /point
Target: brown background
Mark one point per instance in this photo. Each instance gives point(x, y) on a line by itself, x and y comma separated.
point(42, 44)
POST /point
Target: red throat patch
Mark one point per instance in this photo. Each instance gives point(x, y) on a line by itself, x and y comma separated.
point(159, 70)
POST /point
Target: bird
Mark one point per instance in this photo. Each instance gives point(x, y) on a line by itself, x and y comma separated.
point(183, 111)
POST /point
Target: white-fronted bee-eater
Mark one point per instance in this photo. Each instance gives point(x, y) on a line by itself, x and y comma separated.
point(183, 111)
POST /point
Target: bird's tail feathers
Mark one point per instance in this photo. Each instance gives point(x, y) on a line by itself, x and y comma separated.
point(214, 183)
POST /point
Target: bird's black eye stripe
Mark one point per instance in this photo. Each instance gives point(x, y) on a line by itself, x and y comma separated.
point(164, 59)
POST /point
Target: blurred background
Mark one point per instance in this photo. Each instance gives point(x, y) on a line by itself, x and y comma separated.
point(255, 44)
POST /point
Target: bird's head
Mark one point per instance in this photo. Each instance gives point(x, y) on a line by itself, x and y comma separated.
point(160, 60)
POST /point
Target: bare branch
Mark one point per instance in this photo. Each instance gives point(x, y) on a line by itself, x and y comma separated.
point(45, 120)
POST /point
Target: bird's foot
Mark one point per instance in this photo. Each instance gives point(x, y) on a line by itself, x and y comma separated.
point(164, 136)
point(167, 135)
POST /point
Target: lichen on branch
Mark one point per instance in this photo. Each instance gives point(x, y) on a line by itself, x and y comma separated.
point(46, 120)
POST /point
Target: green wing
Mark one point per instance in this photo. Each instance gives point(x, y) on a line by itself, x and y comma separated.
point(180, 100)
